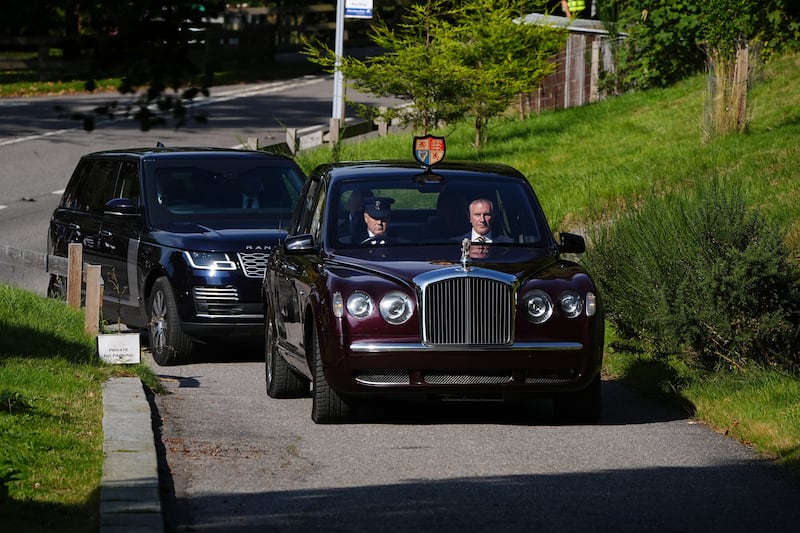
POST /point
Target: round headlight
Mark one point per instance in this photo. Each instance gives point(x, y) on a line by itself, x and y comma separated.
point(538, 306)
point(396, 307)
point(359, 304)
point(571, 304)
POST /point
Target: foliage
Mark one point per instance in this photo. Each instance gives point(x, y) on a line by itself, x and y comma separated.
point(667, 38)
point(472, 60)
point(698, 273)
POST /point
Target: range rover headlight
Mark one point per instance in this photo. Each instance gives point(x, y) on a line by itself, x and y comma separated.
point(538, 306)
point(359, 304)
point(396, 307)
point(209, 260)
point(571, 304)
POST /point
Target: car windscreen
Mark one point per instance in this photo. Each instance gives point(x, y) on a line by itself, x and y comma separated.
point(418, 212)
point(243, 191)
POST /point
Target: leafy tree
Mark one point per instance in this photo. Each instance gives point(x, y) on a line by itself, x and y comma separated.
point(667, 39)
point(450, 62)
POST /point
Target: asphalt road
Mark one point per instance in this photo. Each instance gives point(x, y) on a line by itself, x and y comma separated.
point(239, 461)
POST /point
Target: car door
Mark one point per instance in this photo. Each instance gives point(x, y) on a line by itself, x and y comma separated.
point(81, 211)
point(118, 245)
point(291, 273)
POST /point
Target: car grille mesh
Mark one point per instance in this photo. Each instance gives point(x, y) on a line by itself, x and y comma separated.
point(254, 264)
point(468, 311)
point(466, 378)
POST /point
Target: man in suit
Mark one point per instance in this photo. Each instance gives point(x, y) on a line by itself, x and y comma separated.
point(481, 212)
point(377, 215)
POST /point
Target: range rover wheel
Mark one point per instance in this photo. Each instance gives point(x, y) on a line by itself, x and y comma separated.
point(282, 382)
point(327, 407)
point(582, 406)
point(168, 343)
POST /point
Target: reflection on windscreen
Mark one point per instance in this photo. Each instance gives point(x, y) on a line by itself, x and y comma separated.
point(211, 189)
point(505, 213)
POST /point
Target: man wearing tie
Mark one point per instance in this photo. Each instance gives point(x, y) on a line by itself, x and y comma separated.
point(481, 212)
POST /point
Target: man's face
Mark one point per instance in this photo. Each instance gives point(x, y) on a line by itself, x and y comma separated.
point(377, 226)
point(480, 216)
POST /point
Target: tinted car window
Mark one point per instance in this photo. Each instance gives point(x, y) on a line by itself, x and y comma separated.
point(208, 189)
point(91, 186)
point(439, 213)
point(127, 185)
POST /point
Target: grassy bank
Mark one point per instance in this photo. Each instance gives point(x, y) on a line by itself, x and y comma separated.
point(51, 413)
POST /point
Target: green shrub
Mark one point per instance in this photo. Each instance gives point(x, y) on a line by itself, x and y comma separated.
point(698, 274)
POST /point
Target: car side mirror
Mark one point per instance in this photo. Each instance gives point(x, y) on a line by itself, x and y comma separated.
point(572, 243)
point(299, 244)
point(121, 207)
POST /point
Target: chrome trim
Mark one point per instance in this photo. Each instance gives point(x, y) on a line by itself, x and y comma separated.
point(223, 317)
point(398, 347)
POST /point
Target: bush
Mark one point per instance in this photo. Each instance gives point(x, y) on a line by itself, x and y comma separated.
point(699, 275)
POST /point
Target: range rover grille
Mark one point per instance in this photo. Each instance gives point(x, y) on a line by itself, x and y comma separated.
point(468, 311)
point(217, 301)
point(254, 264)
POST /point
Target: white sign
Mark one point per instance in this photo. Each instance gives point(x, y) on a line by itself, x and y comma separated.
point(119, 348)
point(358, 9)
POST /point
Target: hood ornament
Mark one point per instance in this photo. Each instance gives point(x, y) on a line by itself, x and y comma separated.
point(466, 260)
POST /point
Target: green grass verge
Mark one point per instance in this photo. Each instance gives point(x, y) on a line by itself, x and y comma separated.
point(51, 413)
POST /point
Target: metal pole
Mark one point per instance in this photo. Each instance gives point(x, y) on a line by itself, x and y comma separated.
point(338, 81)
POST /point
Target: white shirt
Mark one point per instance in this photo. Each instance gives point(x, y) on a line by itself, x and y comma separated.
point(476, 236)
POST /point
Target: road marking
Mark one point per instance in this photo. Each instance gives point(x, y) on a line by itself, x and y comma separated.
point(225, 96)
point(3, 206)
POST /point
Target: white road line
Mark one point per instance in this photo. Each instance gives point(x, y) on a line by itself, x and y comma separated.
point(224, 96)
point(3, 206)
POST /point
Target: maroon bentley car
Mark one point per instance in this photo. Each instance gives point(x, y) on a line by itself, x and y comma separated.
point(404, 279)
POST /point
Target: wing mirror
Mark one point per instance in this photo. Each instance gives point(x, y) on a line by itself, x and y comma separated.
point(572, 243)
point(299, 244)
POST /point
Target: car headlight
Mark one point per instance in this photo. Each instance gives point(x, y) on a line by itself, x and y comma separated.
point(538, 306)
point(396, 307)
point(359, 304)
point(571, 304)
point(209, 260)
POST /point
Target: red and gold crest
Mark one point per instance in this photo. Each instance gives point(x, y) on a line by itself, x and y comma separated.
point(429, 150)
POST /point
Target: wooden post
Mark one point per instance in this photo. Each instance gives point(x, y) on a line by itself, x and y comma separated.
point(74, 275)
point(94, 299)
point(333, 135)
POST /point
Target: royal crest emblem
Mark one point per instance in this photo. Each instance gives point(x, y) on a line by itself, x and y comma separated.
point(429, 150)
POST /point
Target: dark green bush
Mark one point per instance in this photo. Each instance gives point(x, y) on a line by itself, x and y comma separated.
point(698, 274)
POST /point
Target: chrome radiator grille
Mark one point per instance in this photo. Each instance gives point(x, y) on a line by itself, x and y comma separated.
point(468, 311)
point(254, 263)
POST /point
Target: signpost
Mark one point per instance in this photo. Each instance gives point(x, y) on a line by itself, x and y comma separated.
point(344, 9)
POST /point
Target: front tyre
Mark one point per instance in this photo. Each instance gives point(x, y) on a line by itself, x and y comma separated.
point(327, 406)
point(282, 382)
point(168, 343)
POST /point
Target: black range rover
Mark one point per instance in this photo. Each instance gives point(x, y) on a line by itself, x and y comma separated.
point(182, 235)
